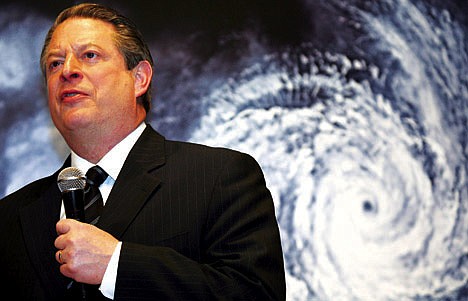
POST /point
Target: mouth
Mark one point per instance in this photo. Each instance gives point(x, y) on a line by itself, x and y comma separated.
point(71, 95)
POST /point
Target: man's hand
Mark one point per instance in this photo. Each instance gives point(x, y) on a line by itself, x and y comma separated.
point(84, 251)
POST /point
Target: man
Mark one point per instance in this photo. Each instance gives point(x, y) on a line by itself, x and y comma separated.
point(181, 221)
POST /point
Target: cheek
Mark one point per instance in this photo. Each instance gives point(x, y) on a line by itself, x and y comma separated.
point(51, 87)
point(119, 90)
point(54, 105)
point(50, 96)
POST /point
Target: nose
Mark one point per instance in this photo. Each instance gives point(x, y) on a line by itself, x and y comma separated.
point(71, 69)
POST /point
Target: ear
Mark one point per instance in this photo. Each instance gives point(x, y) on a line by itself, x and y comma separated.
point(143, 73)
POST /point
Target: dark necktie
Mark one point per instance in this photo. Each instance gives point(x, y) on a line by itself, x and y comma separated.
point(95, 176)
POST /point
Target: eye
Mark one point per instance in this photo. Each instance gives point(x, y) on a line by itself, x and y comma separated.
point(90, 55)
point(54, 65)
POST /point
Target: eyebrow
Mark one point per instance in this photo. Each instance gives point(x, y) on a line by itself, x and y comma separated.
point(81, 47)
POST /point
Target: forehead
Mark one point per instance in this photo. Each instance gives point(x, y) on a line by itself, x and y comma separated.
point(82, 31)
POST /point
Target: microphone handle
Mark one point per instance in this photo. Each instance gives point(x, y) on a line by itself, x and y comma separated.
point(73, 201)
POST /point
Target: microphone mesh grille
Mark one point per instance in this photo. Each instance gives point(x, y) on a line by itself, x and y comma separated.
point(71, 178)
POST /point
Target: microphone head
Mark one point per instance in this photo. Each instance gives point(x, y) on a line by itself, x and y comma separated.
point(71, 178)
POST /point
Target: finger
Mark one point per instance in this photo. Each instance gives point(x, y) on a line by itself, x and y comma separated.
point(59, 257)
point(63, 226)
point(59, 243)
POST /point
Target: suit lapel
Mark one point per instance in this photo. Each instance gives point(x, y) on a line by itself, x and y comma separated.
point(38, 221)
point(134, 184)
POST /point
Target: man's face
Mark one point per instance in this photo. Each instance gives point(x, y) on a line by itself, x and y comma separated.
point(89, 86)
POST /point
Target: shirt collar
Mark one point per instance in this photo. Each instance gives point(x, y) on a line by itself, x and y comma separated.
point(113, 161)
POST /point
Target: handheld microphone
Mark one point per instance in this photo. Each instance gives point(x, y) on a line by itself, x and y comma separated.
point(71, 182)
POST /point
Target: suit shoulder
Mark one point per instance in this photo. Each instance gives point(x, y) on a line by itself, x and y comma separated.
point(29, 191)
point(213, 160)
point(197, 150)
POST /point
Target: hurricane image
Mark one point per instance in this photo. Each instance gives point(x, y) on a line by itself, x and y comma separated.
point(357, 112)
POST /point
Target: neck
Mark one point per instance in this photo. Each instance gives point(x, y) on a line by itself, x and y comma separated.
point(94, 145)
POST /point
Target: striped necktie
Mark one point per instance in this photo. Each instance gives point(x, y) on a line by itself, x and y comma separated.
point(95, 176)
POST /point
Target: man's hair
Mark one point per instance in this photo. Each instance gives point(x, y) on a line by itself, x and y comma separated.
point(127, 37)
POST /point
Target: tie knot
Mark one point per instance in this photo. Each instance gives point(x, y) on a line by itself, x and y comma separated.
point(96, 176)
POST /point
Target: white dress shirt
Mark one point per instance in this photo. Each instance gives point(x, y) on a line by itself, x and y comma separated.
point(112, 163)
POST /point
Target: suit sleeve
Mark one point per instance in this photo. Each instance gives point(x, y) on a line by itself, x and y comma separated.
point(241, 256)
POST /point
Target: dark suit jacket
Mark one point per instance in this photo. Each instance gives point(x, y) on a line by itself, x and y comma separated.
point(197, 223)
